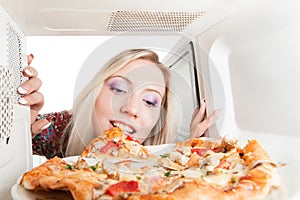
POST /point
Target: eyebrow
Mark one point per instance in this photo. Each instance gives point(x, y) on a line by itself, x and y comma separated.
point(154, 90)
point(118, 76)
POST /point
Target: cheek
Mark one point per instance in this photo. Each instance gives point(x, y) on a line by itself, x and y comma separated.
point(155, 114)
point(149, 120)
point(103, 105)
point(150, 116)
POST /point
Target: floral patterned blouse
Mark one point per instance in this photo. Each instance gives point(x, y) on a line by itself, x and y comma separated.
point(53, 140)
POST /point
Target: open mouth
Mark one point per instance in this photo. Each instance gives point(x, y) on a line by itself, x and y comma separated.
point(127, 129)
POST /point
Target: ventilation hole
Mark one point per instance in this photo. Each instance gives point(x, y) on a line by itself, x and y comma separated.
point(143, 21)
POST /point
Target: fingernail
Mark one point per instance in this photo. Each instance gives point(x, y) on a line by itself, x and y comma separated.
point(22, 90)
point(31, 55)
point(28, 72)
point(23, 101)
point(202, 101)
point(46, 126)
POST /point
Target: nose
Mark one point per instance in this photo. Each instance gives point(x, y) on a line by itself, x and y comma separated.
point(131, 107)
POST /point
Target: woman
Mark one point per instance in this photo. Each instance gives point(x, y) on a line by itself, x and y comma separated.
point(131, 91)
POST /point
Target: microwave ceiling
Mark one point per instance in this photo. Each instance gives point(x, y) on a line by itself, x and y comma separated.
point(107, 17)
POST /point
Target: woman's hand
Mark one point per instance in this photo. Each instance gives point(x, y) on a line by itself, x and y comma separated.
point(32, 97)
point(198, 124)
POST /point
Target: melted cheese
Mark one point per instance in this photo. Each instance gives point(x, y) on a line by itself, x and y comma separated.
point(219, 181)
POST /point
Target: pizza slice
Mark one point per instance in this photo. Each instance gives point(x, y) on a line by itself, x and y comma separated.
point(114, 143)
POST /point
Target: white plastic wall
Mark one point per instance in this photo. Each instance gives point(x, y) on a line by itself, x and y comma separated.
point(15, 155)
point(255, 52)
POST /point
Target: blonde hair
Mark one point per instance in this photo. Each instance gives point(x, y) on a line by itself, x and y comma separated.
point(80, 126)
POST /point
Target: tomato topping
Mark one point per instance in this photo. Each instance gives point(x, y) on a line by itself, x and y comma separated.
point(108, 146)
point(129, 138)
point(199, 151)
point(119, 143)
point(123, 186)
point(217, 149)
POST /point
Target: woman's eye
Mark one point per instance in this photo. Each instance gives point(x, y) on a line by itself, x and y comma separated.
point(150, 103)
point(151, 100)
point(118, 87)
point(118, 90)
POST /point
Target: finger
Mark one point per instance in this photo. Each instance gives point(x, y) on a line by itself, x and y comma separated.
point(195, 113)
point(203, 106)
point(214, 116)
point(202, 127)
point(35, 98)
point(197, 117)
point(35, 101)
point(33, 84)
point(208, 122)
point(39, 126)
point(195, 120)
point(201, 113)
point(30, 57)
point(30, 72)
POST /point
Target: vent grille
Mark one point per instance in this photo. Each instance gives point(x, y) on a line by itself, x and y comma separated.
point(15, 60)
point(6, 105)
point(143, 21)
point(10, 79)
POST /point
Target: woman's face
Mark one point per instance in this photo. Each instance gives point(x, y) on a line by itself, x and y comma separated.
point(131, 99)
